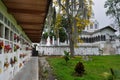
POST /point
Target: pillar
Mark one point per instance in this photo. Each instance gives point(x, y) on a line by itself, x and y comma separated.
point(53, 41)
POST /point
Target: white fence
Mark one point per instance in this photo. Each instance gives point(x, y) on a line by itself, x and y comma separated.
point(59, 50)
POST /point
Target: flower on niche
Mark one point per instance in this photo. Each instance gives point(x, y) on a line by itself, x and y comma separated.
point(7, 48)
point(1, 45)
point(6, 64)
point(16, 47)
point(16, 37)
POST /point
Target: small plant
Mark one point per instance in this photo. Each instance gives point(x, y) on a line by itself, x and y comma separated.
point(79, 69)
point(113, 75)
point(66, 56)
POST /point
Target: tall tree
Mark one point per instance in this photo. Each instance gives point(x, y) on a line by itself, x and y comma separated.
point(77, 13)
point(113, 10)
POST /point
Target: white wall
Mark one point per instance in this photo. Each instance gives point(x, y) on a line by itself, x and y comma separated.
point(59, 50)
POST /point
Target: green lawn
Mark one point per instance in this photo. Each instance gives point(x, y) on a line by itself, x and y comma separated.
point(94, 69)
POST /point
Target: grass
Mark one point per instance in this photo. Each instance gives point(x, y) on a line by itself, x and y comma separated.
point(94, 69)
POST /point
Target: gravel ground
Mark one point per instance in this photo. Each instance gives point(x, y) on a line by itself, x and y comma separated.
point(45, 72)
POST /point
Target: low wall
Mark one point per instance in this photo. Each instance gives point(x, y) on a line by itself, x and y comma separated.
point(118, 49)
point(59, 50)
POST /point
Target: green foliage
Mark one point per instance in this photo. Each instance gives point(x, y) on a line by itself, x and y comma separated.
point(59, 29)
point(62, 35)
point(64, 23)
point(115, 75)
point(70, 9)
point(51, 34)
point(113, 9)
point(93, 69)
point(45, 35)
point(66, 56)
point(79, 68)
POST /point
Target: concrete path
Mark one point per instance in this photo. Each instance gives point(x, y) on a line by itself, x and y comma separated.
point(29, 71)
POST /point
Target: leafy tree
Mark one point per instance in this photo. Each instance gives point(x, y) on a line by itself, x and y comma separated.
point(59, 28)
point(45, 35)
point(62, 35)
point(113, 10)
point(77, 14)
point(57, 25)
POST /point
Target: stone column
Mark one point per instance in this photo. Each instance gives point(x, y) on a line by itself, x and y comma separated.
point(53, 41)
point(58, 41)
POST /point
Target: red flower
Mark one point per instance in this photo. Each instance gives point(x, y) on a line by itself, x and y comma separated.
point(7, 47)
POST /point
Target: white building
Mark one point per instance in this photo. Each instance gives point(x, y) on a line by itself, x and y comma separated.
point(96, 41)
point(104, 38)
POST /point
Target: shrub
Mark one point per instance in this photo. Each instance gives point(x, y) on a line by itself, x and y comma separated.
point(79, 68)
point(66, 56)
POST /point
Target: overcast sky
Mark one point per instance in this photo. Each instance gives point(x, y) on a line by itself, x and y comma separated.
point(100, 15)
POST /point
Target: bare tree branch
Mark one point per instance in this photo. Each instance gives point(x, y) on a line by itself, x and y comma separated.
point(60, 4)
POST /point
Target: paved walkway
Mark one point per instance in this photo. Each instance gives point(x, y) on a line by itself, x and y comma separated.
point(29, 71)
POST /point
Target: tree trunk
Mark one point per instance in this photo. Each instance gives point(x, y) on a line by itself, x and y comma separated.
point(71, 45)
